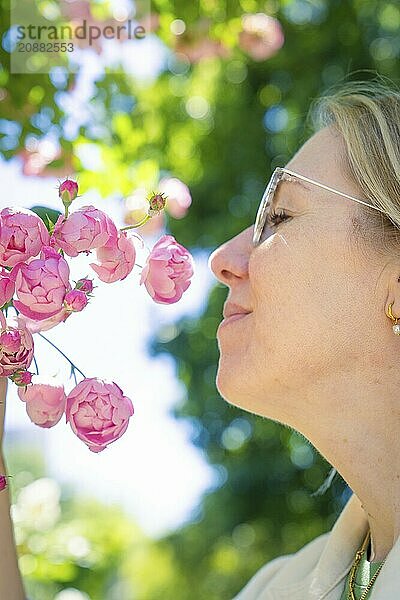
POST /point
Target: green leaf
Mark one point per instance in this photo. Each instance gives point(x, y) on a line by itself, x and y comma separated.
point(48, 215)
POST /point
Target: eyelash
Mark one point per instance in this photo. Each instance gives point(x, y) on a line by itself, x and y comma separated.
point(273, 217)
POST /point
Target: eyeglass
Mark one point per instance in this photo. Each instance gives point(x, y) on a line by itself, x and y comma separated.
point(279, 174)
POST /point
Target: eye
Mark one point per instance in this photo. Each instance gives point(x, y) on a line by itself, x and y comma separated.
point(274, 218)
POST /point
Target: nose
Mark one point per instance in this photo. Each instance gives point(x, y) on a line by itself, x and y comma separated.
point(229, 262)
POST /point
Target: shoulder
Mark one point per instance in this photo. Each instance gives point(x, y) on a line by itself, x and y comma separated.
point(295, 566)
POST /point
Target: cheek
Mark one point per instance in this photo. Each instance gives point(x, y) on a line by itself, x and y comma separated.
point(301, 295)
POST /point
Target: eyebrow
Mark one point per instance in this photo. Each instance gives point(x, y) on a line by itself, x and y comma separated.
point(297, 181)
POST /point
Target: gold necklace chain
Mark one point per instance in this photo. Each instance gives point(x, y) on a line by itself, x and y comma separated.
point(359, 554)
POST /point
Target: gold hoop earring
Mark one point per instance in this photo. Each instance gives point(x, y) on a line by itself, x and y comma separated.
point(396, 325)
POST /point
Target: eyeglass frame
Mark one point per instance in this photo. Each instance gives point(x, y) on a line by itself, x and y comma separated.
point(269, 192)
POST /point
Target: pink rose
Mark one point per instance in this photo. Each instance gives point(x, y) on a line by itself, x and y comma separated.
point(45, 403)
point(22, 235)
point(116, 259)
point(167, 271)
point(41, 285)
point(7, 286)
point(45, 324)
point(98, 412)
point(16, 346)
point(84, 230)
point(75, 300)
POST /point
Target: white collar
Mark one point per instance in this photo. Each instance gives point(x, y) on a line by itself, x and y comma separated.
point(329, 568)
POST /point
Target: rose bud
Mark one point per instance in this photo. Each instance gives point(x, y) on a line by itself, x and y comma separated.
point(156, 204)
point(21, 378)
point(68, 191)
point(75, 300)
point(3, 482)
point(85, 285)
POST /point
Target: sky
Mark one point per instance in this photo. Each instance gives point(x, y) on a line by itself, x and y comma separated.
point(153, 471)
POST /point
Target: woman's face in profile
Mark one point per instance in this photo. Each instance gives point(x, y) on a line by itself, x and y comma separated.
point(311, 292)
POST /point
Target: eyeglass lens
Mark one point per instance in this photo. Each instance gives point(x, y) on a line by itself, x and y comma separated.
point(262, 230)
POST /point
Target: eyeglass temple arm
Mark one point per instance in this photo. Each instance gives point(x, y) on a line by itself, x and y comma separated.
point(331, 189)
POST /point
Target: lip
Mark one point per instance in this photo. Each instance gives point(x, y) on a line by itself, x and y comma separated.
point(231, 308)
point(232, 318)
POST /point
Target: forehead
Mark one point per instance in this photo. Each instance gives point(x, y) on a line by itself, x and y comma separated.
point(323, 158)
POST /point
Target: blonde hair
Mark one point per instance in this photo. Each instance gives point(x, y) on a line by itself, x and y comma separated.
point(367, 115)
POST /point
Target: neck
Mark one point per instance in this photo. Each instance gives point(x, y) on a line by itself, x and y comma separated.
point(363, 445)
point(373, 556)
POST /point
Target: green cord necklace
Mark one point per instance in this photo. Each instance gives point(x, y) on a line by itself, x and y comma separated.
point(359, 554)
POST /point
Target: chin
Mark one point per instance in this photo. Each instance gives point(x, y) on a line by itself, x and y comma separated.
point(225, 383)
point(229, 384)
point(268, 402)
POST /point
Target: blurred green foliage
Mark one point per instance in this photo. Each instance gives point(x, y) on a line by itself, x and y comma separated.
point(66, 540)
point(252, 117)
